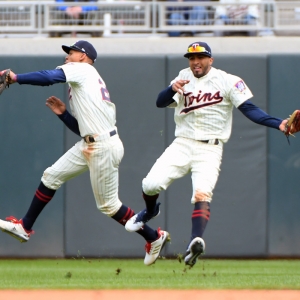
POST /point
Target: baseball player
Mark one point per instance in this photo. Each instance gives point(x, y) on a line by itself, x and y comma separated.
point(203, 98)
point(100, 149)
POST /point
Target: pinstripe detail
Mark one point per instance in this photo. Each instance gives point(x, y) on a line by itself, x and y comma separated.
point(102, 160)
point(204, 111)
point(189, 109)
point(182, 156)
point(42, 196)
point(90, 101)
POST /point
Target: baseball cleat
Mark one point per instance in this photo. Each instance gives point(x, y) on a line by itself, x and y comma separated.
point(136, 222)
point(14, 227)
point(153, 249)
point(194, 250)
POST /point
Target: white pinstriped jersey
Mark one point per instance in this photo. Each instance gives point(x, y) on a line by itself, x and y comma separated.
point(204, 111)
point(89, 99)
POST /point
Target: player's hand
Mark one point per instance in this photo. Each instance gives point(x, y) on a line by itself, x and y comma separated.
point(178, 86)
point(11, 78)
point(282, 125)
point(56, 105)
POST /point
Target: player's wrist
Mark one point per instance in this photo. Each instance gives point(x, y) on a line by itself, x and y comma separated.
point(61, 113)
point(15, 78)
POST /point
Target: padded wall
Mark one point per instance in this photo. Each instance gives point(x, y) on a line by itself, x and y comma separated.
point(283, 159)
point(32, 139)
point(254, 210)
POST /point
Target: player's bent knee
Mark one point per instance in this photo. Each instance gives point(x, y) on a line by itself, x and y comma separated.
point(110, 209)
point(50, 181)
point(151, 188)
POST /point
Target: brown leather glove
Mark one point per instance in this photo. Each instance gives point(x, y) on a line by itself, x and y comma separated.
point(293, 124)
point(5, 80)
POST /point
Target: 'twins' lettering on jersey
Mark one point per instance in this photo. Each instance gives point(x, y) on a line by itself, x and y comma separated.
point(204, 99)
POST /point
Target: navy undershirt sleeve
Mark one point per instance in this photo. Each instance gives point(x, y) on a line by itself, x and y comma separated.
point(165, 97)
point(258, 116)
point(43, 78)
point(70, 122)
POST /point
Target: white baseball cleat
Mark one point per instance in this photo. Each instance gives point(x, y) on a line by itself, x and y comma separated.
point(14, 227)
point(153, 249)
point(137, 221)
point(194, 250)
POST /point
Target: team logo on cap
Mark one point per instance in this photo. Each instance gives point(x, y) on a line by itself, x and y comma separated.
point(196, 48)
point(75, 46)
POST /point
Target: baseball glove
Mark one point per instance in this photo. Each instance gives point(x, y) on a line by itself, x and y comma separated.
point(5, 80)
point(293, 124)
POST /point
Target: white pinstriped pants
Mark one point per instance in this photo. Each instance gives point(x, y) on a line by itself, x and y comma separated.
point(185, 156)
point(102, 159)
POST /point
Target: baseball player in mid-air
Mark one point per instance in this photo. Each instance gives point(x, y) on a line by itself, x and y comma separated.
point(100, 149)
point(203, 98)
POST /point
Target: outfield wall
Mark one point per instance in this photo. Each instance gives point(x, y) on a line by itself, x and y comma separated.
point(254, 212)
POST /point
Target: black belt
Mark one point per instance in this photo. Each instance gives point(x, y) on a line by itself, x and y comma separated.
point(214, 142)
point(90, 138)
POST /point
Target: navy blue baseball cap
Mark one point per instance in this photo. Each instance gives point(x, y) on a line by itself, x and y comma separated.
point(199, 48)
point(84, 47)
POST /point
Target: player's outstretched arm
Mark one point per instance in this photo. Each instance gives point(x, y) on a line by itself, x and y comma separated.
point(41, 78)
point(257, 115)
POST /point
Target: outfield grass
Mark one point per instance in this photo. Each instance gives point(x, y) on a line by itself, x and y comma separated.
point(164, 274)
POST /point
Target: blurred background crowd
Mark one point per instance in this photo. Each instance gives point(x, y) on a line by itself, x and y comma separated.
point(171, 18)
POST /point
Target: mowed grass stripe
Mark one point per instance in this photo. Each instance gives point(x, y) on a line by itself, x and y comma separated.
point(84, 273)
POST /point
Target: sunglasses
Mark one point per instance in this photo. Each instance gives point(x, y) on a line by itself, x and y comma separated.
point(196, 49)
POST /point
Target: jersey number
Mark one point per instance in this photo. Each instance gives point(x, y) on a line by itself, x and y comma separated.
point(104, 92)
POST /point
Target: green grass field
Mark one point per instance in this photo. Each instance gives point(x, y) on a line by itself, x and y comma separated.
point(86, 273)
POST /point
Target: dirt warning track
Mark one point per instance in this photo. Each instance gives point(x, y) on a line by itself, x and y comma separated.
point(150, 294)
